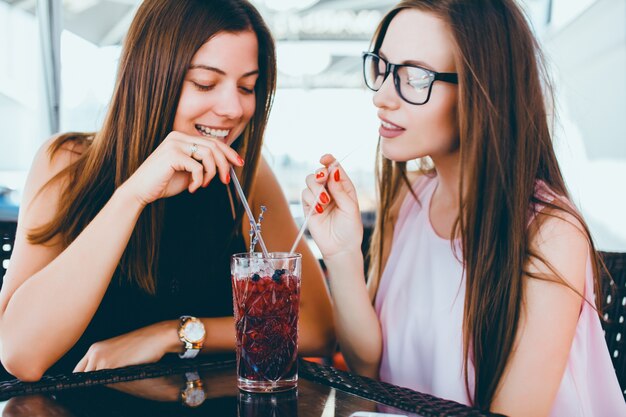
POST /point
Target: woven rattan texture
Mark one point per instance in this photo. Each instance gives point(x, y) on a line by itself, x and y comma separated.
point(50, 384)
point(614, 312)
point(401, 398)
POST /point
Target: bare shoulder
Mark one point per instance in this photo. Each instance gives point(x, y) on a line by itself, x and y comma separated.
point(266, 184)
point(40, 202)
point(278, 218)
point(74, 146)
point(58, 153)
point(549, 316)
point(561, 240)
point(267, 191)
point(39, 191)
point(264, 171)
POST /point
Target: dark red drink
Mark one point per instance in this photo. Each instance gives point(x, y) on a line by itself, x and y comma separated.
point(266, 321)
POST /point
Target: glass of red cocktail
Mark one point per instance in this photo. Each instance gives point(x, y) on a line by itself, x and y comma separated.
point(266, 300)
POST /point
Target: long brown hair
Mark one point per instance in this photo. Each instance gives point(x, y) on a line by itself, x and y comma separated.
point(505, 148)
point(159, 46)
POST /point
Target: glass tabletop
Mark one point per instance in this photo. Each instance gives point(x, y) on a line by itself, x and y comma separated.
point(210, 389)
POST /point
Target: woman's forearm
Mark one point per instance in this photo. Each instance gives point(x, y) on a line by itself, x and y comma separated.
point(51, 309)
point(358, 328)
point(220, 337)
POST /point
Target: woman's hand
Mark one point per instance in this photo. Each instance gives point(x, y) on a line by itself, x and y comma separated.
point(181, 162)
point(145, 345)
point(336, 221)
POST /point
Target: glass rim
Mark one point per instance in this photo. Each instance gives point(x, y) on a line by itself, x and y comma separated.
point(273, 255)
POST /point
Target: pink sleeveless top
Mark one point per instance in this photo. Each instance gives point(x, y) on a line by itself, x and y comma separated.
point(420, 307)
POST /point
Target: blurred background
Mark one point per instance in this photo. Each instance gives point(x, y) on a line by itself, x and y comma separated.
point(58, 61)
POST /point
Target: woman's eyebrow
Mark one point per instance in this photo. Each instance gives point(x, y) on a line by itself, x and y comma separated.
point(408, 62)
point(219, 71)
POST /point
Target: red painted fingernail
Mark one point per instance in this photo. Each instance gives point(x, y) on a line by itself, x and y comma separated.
point(319, 209)
point(227, 178)
point(337, 177)
point(319, 175)
point(240, 160)
point(324, 198)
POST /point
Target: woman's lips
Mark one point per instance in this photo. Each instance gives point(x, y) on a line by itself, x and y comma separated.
point(215, 133)
point(389, 130)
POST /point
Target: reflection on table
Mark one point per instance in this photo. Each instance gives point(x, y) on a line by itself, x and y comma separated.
point(210, 389)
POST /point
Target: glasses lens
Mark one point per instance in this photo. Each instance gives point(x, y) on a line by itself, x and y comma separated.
point(374, 71)
point(414, 84)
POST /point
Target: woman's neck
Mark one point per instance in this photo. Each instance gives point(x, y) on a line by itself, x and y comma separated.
point(449, 178)
point(444, 203)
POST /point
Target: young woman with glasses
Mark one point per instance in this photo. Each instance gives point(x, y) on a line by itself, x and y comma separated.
point(482, 273)
point(124, 236)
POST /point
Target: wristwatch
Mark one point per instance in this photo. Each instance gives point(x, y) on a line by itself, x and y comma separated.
point(192, 395)
point(191, 332)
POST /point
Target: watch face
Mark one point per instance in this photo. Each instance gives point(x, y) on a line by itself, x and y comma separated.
point(193, 397)
point(194, 331)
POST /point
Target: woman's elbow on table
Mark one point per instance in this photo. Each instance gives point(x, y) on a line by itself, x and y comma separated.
point(19, 362)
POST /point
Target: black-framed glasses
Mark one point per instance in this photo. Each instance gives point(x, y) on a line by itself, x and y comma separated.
point(413, 83)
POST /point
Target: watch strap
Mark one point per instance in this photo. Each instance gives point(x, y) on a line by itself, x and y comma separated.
point(192, 376)
point(189, 353)
point(191, 350)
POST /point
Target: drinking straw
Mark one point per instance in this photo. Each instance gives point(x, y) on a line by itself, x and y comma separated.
point(244, 201)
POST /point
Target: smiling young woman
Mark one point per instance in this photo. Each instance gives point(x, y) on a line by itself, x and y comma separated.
point(124, 235)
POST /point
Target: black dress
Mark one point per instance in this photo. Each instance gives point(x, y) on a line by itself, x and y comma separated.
point(193, 276)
